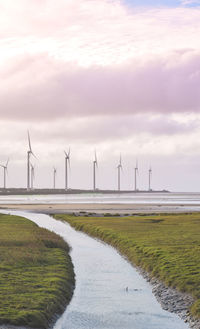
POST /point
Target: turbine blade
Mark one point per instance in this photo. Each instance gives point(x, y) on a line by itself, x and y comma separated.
point(29, 143)
point(34, 155)
point(69, 152)
point(7, 163)
point(30, 148)
point(95, 155)
point(65, 153)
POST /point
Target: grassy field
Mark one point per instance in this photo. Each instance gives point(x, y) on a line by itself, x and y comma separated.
point(36, 273)
point(167, 246)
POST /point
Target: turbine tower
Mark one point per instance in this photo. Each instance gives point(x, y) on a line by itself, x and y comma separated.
point(32, 175)
point(150, 175)
point(29, 153)
point(54, 177)
point(67, 162)
point(136, 173)
point(5, 171)
point(95, 165)
point(119, 167)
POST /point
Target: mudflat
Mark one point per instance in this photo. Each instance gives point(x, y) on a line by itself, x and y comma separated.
point(101, 208)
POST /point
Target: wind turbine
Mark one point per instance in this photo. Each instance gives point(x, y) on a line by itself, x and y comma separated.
point(54, 177)
point(119, 167)
point(29, 153)
point(136, 173)
point(5, 171)
point(67, 162)
point(150, 175)
point(32, 175)
point(95, 165)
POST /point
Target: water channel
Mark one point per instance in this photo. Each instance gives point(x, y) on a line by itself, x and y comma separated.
point(101, 300)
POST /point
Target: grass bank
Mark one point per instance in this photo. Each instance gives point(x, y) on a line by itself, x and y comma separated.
point(36, 273)
point(167, 246)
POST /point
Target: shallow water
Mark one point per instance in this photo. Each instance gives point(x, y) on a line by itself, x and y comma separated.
point(185, 200)
point(100, 298)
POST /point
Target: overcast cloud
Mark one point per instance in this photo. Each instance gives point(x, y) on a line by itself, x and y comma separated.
point(100, 74)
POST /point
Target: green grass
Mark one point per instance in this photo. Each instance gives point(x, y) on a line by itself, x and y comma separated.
point(167, 246)
point(36, 273)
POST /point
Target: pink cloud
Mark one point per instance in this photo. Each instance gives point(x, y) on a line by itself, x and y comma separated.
point(88, 58)
point(41, 88)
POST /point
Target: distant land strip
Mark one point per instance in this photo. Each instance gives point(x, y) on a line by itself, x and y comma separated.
point(24, 191)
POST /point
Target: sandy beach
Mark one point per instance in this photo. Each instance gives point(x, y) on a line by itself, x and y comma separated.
point(101, 208)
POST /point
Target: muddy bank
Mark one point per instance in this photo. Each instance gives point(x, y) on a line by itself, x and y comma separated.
point(172, 300)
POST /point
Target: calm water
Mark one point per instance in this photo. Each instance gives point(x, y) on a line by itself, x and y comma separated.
point(127, 198)
point(100, 300)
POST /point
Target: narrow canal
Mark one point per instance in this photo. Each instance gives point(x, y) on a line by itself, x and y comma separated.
point(101, 300)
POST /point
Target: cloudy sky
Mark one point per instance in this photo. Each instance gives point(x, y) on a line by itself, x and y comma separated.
point(115, 76)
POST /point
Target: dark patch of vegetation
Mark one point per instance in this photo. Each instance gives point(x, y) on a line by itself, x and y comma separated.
point(167, 246)
point(36, 273)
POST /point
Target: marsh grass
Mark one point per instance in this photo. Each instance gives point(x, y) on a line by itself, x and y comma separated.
point(167, 246)
point(36, 273)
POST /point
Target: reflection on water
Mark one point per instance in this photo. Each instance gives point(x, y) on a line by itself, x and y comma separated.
point(100, 299)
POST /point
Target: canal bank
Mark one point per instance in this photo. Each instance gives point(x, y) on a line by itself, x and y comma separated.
point(36, 273)
point(164, 246)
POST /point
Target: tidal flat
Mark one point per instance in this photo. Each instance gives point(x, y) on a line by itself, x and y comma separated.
point(167, 246)
point(36, 273)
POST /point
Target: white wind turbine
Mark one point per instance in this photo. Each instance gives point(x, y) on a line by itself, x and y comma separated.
point(32, 175)
point(119, 168)
point(67, 162)
point(5, 171)
point(95, 166)
point(29, 153)
point(54, 177)
point(136, 173)
point(150, 176)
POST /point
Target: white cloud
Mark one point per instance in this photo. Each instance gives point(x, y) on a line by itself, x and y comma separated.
point(190, 2)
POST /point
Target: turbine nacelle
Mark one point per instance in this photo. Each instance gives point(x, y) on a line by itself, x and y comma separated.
point(5, 169)
point(120, 163)
point(67, 156)
point(30, 148)
point(95, 159)
point(136, 166)
point(67, 161)
point(5, 166)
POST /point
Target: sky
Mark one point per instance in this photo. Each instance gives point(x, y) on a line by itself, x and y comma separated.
point(115, 76)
